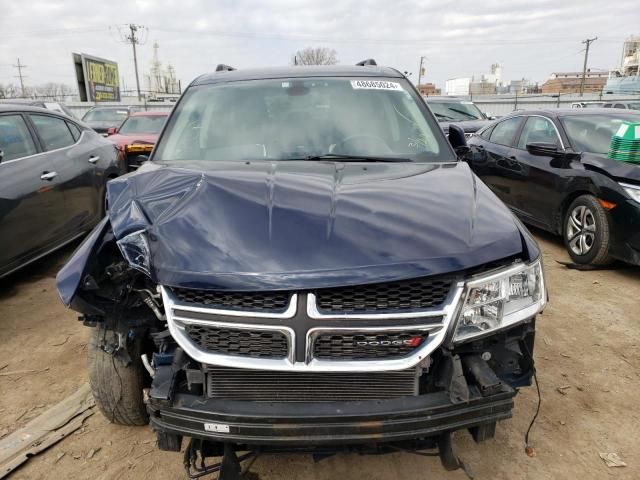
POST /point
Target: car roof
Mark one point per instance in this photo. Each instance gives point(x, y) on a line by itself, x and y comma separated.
point(151, 113)
point(22, 107)
point(562, 112)
point(297, 72)
point(446, 100)
point(20, 101)
point(117, 107)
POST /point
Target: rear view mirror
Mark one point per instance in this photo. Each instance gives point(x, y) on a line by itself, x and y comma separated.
point(543, 149)
point(112, 131)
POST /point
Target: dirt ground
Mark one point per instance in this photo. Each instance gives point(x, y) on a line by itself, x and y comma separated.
point(587, 344)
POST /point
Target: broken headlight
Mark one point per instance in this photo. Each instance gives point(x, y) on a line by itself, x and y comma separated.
point(501, 299)
point(135, 250)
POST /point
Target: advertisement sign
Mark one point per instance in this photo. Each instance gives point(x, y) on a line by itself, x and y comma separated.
point(98, 79)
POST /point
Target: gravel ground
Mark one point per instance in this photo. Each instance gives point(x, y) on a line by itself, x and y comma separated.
point(588, 366)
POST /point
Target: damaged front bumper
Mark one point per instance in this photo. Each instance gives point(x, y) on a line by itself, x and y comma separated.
point(336, 423)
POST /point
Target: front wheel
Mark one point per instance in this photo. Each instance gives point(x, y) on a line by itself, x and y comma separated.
point(117, 386)
point(586, 232)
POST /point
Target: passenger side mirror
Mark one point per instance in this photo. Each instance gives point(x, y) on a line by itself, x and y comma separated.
point(544, 149)
point(458, 141)
point(112, 131)
point(489, 116)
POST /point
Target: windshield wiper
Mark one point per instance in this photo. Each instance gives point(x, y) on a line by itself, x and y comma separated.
point(354, 158)
point(445, 117)
point(470, 115)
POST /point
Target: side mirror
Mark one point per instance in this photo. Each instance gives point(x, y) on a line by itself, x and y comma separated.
point(1, 155)
point(457, 140)
point(489, 116)
point(112, 131)
point(544, 149)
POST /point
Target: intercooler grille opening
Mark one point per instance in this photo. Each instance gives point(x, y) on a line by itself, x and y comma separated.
point(237, 342)
point(270, 386)
point(367, 346)
point(249, 301)
point(420, 293)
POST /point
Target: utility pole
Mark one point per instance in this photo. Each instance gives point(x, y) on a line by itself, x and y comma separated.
point(134, 40)
point(588, 43)
point(20, 66)
point(420, 70)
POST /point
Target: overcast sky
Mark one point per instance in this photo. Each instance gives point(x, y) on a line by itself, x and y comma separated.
point(530, 38)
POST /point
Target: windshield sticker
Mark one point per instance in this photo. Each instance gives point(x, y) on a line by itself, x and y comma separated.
point(376, 85)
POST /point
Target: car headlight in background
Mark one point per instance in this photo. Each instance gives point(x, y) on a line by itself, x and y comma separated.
point(135, 250)
point(501, 299)
point(632, 190)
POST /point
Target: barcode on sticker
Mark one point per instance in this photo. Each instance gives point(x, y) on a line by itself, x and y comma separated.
point(216, 427)
point(376, 85)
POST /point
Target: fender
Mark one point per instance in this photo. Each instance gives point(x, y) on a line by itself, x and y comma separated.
point(70, 276)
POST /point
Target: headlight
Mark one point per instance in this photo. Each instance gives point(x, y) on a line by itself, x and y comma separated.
point(500, 300)
point(632, 190)
point(135, 250)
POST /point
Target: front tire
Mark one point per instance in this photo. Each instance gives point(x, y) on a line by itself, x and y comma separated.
point(117, 386)
point(586, 232)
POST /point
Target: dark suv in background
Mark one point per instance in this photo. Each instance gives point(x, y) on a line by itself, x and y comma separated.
point(305, 266)
point(463, 113)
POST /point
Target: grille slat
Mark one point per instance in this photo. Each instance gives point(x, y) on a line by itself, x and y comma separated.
point(390, 297)
point(266, 386)
point(359, 346)
point(238, 342)
point(249, 301)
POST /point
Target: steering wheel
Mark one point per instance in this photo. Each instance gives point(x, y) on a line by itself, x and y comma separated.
point(369, 145)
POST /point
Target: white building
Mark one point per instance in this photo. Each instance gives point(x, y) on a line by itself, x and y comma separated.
point(457, 86)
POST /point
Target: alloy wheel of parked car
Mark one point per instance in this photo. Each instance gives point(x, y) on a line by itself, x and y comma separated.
point(586, 232)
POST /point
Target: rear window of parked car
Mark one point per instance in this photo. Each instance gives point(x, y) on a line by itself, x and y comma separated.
point(53, 131)
point(15, 139)
point(505, 131)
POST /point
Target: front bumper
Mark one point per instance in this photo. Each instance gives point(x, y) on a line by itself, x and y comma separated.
point(336, 423)
point(625, 244)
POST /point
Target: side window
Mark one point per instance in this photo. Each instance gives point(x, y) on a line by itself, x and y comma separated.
point(608, 105)
point(486, 133)
point(504, 132)
point(618, 105)
point(75, 131)
point(15, 138)
point(53, 131)
point(538, 130)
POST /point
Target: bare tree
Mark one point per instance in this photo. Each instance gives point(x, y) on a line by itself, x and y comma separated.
point(315, 56)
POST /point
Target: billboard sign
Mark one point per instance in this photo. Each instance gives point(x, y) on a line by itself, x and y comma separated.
point(98, 79)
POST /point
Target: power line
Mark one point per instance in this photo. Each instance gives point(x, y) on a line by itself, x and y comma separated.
point(20, 66)
point(134, 39)
point(588, 43)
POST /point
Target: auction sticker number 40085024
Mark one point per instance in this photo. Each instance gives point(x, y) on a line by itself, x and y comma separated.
point(376, 85)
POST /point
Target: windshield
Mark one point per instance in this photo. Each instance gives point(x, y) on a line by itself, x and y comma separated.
point(634, 105)
point(142, 124)
point(293, 119)
point(455, 111)
point(592, 133)
point(105, 115)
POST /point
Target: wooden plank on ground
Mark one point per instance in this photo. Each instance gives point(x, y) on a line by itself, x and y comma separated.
point(43, 431)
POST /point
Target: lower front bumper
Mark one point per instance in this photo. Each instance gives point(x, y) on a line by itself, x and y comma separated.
point(336, 423)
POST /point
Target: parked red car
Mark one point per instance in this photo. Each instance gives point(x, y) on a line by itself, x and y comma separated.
point(137, 135)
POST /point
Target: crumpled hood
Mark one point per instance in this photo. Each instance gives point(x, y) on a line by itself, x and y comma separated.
point(300, 225)
point(469, 126)
point(614, 168)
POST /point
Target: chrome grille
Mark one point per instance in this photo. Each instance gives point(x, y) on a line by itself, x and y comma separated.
point(367, 346)
point(251, 301)
point(389, 297)
point(269, 386)
point(238, 342)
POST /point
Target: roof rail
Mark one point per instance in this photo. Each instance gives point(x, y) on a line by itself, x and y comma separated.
point(224, 68)
point(368, 61)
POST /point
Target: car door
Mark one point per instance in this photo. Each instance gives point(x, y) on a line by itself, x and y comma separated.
point(74, 158)
point(536, 193)
point(496, 157)
point(29, 199)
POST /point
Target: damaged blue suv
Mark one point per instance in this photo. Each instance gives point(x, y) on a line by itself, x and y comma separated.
point(304, 265)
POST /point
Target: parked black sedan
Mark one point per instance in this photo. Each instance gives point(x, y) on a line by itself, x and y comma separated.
point(551, 168)
point(53, 172)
